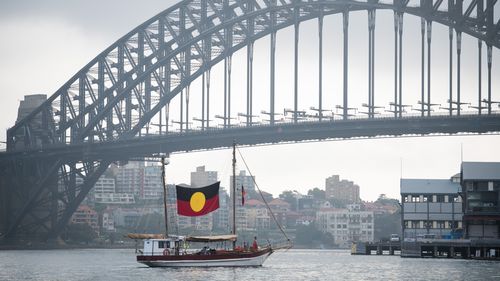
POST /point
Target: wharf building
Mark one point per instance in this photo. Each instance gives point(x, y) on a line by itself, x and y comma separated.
point(343, 190)
point(346, 225)
point(430, 208)
point(481, 189)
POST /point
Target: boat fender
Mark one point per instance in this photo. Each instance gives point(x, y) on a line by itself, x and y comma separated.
point(166, 252)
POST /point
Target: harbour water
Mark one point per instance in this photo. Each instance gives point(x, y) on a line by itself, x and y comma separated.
point(120, 264)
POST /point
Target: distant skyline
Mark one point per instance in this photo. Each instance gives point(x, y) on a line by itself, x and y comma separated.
point(46, 42)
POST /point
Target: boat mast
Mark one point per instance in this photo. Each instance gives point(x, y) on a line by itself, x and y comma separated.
point(234, 192)
point(164, 194)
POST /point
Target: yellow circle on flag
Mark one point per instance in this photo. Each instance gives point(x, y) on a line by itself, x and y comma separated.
point(197, 201)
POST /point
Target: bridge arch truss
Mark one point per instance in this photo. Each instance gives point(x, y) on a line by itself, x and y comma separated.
point(120, 94)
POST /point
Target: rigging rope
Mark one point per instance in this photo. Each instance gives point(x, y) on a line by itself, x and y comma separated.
point(263, 199)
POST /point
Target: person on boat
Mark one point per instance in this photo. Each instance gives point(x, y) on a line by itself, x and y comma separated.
point(255, 247)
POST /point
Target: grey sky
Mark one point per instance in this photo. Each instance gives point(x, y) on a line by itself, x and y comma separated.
point(46, 42)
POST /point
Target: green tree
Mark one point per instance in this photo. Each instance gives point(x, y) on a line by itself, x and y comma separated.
point(387, 224)
point(79, 232)
point(384, 200)
point(317, 194)
point(289, 197)
point(310, 237)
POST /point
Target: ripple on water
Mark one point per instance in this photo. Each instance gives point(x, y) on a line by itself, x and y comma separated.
point(119, 264)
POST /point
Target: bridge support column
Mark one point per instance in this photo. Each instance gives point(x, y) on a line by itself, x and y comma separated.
point(229, 64)
point(422, 78)
point(459, 51)
point(296, 66)
point(208, 99)
point(396, 27)
point(345, 15)
point(400, 23)
point(249, 83)
point(272, 63)
point(320, 65)
point(371, 63)
point(479, 78)
point(187, 107)
point(450, 99)
point(429, 37)
point(490, 59)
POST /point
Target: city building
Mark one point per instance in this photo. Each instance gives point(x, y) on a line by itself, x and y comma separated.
point(104, 185)
point(152, 184)
point(108, 222)
point(221, 215)
point(346, 225)
point(430, 206)
point(86, 215)
point(113, 198)
point(129, 178)
point(342, 190)
point(280, 209)
point(201, 177)
point(258, 217)
point(246, 181)
point(480, 183)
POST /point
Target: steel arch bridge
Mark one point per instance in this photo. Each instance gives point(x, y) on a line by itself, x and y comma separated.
point(114, 101)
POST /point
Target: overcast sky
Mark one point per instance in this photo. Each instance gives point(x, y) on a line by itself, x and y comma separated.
point(45, 42)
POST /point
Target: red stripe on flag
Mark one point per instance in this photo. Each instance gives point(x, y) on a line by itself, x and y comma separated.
point(184, 208)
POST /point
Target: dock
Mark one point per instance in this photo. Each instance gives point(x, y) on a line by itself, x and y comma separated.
point(484, 249)
point(453, 248)
point(377, 248)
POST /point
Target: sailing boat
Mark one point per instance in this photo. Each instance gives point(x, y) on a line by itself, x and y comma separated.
point(171, 251)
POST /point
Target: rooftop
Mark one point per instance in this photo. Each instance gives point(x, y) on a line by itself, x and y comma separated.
point(429, 186)
point(480, 170)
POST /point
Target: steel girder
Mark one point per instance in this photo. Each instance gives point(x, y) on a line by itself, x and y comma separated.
point(116, 95)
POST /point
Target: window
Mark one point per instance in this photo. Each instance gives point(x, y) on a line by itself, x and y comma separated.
point(163, 244)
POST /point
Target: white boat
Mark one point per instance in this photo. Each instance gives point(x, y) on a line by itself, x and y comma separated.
point(169, 252)
point(173, 251)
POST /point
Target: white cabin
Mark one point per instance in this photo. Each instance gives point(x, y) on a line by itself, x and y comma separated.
point(162, 247)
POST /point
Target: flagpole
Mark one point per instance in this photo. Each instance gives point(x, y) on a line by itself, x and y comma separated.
point(164, 194)
point(234, 192)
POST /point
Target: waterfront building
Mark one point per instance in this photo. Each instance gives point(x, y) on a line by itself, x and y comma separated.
point(280, 208)
point(343, 190)
point(86, 215)
point(258, 217)
point(127, 218)
point(481, 189)
point(113, 198)
point(346, 225)
point(430, 206)
point(108, 222)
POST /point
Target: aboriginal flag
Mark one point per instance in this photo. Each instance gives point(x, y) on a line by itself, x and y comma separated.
point(194, 202)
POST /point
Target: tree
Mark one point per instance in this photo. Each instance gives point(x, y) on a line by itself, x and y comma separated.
point(384, 200)
point(290, 198)
point(79, 232)
point(387, 224)
point(309, 236)
point(317, 194)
